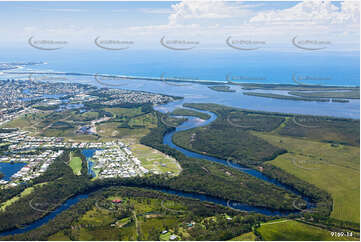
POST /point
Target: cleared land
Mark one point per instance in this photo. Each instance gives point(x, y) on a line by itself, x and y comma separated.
point(293, 230)
point(26, 192)
point(125, 122)
point(75, 164)
point(109, 221)
point(114, 130)
point(333, 168)
point(155, 160)
point(124, 112)
point(60, 236)
point(23, 194)
point(245, 237)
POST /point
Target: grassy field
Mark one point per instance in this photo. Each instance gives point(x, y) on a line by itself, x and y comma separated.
point(293, 230)
point(100, 223)
point(75, 164)
point(110, 130)
point(158, 224)
point(27, 121)
point(53, 132)
point(325, 129)
point(126, 122)
point(89, 116)
point(124, 112)
point(155, 160)
point(97, 217)
point(60, 236)
point(24, 193)
point(148, 120)
point(332, 168)
point(245, 237)
point(18, 123)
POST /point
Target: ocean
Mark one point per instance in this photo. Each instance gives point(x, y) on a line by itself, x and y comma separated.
point(326, 68)
point(312, 67)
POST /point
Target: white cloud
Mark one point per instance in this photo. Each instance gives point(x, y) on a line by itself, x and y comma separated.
point(195, 10)
point(212, 22)
point(319, 12)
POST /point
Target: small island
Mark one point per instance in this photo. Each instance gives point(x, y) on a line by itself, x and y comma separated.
point(189, 112)
point(221, 88)
point(285, 97)
point(353, 94)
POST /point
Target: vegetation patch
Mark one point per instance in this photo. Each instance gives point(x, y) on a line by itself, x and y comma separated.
point(76, 164)
point(250, 236)
point(190, 112)
point(224, 139)
point(220, 88)
point(325, 129)
point(294, 230)
point(331, 168)
point(155, 160)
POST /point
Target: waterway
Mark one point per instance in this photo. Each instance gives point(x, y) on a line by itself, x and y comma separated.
point(67, 204)
point(192, 122)
point(88, 153)
point(9, 169)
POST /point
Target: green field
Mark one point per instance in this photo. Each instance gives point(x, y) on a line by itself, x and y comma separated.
point(97, 217)
point(108, 129)
point(332, 168)
point(117, 222)
point(327, 156)
point(26, 192)
point(21, 123)
point(23, 194)
point(25, 122)
point(148, 120)
point(88, 116)
point(155, 160)
point(75, 164)
point(111, 130)
point(60, 236)
point(124, 112)
point(245, 237)
point(293, 230)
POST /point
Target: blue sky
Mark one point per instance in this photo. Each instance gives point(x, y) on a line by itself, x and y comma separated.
point(208, 22)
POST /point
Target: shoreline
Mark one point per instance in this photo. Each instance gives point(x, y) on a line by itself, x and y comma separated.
point(204, 82)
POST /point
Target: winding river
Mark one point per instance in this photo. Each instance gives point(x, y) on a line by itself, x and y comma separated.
point(192, 122)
